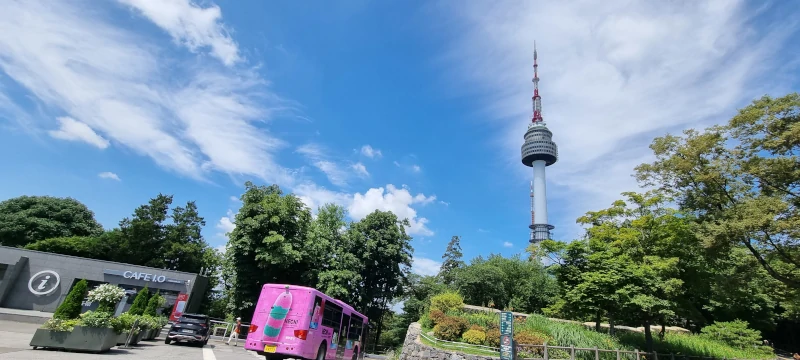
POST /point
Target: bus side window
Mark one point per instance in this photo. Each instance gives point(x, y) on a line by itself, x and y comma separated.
point(332, 316)
point(356, 325)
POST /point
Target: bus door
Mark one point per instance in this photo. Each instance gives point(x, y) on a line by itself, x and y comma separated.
point(341, 346)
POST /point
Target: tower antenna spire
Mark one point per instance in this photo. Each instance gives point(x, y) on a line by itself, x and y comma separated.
point(537, 100)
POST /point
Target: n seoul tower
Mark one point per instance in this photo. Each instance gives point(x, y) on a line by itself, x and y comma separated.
point(538, 152)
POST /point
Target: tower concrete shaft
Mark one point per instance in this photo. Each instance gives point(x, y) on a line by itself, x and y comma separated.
point(538, 152)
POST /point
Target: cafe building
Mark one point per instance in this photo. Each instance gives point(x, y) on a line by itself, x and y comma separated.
point(34, 280)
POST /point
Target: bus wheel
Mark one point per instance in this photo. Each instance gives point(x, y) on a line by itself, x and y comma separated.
point(321, 351)
point(355, 354)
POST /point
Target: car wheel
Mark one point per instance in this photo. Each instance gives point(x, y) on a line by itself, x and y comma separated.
point(321, 352)
point(167, 341)
point(205, 342)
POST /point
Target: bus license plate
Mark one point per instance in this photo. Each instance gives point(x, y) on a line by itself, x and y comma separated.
point(270, 348)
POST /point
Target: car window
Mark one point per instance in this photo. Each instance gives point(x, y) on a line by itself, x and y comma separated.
point(192, 320)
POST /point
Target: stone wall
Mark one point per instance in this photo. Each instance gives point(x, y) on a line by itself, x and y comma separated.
point(414, 349)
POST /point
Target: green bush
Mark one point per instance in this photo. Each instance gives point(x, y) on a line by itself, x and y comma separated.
point(475, 337)
point(124, 323)
point(140, 302)
point(450, 328)
point(155, 302)
point(71, 307)
point(148, 322)
point(426, 322)
point(96, 319)
point(55, 324)
point(734, 333)
point(447, 302)
point(531, 338)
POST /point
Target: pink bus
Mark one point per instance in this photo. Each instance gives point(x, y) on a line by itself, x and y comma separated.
point(299, 322)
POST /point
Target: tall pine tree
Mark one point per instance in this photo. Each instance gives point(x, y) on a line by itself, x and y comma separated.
point(452, 261)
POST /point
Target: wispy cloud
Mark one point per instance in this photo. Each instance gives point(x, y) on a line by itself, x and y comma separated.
point(508, 244)
point(191, 25)
point(109, 175)
point(360, 169)
point(73, 130)
point(318, 156)
point(196, 120)
point(613, 75)
point(370, 152)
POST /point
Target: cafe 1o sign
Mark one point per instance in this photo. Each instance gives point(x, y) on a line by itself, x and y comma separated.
point(144, 276)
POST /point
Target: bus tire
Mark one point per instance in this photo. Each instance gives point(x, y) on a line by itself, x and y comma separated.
point(321, 352)
point(355, 353)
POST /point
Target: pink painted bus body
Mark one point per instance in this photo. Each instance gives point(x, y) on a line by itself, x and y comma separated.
point(296, 322)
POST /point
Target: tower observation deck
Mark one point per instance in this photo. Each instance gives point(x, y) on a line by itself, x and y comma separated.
point(538, 152)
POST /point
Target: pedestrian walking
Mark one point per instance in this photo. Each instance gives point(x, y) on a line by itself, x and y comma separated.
point(235, 333)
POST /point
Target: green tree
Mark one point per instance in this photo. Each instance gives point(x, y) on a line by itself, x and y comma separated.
point(741, 181)
point(140, 302)
point(144, 233)
point(72, 305)
point(452, 260)
point(82, 246)
point(27, 219)
point(385, 254)
point(156, 301)
point(268, 245)
point(340, 269)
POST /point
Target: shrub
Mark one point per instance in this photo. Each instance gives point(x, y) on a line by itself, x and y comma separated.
point(475, 337)
point(148, 322)
point(71, 307)
point(140, 302)
point(450, 328)
point(447, 301)
point(734, 333)
point(55, 324)
point(477, 327)
point(426, 322)
point(436, 316)
point(124, 323)
point(531, 338)
point(155, 302)
point(96, 319)
point(493, 337)
point(107, 295)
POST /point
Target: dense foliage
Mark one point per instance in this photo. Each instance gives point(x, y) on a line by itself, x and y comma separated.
point(140, 302)
point(27, 219)
point(275, 240)
point(70, 308)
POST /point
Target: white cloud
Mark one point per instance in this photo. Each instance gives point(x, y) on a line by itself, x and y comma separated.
point(234, 199)
point(317, 155)
point(396, 200)
point(226, 224)
point(508, 244)
point(191, 25)
point(416, 168)
point(125, 86)
point(613, 76)
point(483, 231)
point(73, 130)
point(445, 203)
point(370, 152)
point(424, 266)
point(360, 169)
point(109, 175)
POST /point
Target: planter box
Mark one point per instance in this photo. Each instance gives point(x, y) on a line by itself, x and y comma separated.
point(121, 338)
point(86, 339)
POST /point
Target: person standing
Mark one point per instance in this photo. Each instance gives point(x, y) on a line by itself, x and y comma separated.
point(235, 333)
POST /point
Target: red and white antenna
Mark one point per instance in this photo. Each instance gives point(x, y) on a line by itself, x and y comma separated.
point(537, 100)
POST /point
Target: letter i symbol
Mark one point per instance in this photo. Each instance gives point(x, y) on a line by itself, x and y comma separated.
point(41, 285)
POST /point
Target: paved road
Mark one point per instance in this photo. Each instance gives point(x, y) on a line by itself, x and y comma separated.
point(15, 337)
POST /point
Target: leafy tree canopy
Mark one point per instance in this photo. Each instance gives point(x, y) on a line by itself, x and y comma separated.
point(27, 219)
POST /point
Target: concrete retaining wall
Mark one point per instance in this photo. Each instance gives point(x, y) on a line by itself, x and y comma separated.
point(414, 349)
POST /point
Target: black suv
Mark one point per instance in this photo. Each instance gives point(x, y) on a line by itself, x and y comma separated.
point(192, 328)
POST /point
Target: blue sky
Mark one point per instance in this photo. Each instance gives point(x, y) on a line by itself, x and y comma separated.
point(412, 106)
